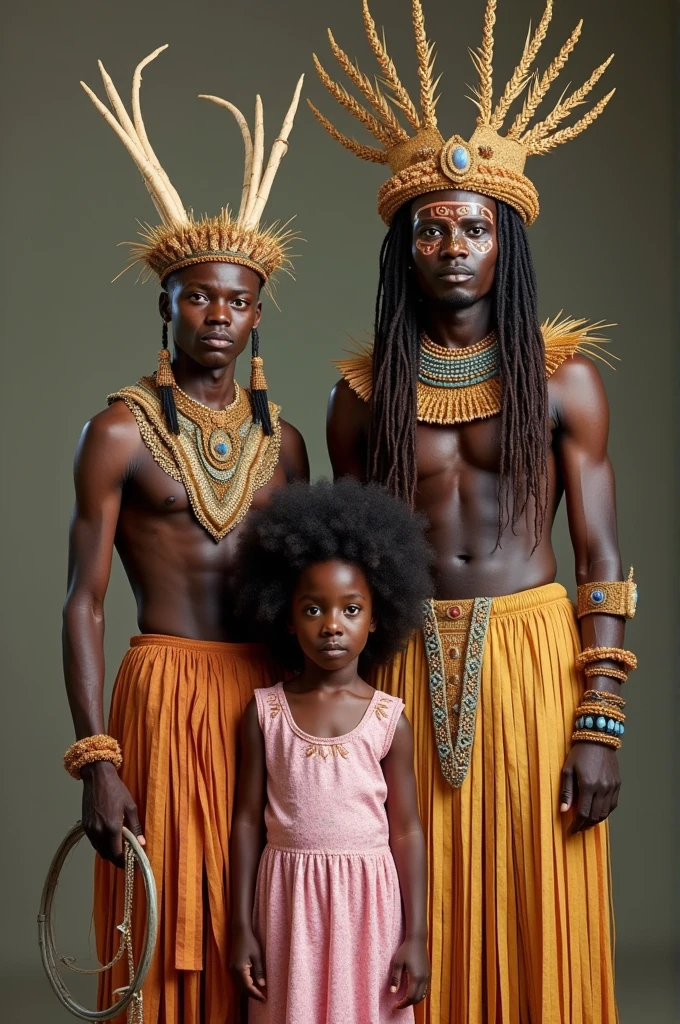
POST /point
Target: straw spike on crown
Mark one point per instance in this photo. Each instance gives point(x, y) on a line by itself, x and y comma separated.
point(400, 96)
point(422, 161)
point(180, 239)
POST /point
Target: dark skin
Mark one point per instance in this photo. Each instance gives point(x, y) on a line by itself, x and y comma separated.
point(453, 260)
point(331, 616)
point(178, 574)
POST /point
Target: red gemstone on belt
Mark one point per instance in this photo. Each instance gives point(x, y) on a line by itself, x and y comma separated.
point(453, 612)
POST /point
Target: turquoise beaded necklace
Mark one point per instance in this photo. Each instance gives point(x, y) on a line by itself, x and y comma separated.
point(458, 367)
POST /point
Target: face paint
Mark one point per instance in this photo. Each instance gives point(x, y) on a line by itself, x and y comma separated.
point(453, 214)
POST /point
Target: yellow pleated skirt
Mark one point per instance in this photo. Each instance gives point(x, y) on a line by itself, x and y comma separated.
point(175, 710)
point(519, 912)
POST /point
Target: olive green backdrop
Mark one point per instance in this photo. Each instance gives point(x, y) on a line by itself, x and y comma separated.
point(603, 246)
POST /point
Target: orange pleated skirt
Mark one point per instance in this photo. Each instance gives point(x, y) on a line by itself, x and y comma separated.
point(519, 912)
point(175, 711)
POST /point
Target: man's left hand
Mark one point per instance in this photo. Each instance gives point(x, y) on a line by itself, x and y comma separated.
point(590, 783)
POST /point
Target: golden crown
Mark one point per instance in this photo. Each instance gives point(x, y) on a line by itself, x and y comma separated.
point(181, 240)
point(421, 160)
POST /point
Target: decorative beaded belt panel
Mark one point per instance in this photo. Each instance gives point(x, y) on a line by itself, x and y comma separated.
point(455, 636)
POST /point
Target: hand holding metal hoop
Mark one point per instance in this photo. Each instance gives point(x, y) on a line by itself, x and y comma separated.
point(131, 994)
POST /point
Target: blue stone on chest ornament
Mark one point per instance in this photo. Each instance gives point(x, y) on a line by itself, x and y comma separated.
point(220, 445)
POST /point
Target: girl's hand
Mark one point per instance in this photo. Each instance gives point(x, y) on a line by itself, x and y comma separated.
point(413, 960)
point(246, 963)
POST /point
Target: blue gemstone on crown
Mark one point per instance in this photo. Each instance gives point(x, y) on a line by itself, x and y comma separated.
point(597, 596)
point(460, 158)
point(221, 448)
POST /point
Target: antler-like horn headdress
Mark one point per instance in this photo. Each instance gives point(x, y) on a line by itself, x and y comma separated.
point(420, 159)
point(180, 240)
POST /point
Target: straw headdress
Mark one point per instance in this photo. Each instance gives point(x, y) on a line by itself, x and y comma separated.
point(420, 159)
point(180, 239)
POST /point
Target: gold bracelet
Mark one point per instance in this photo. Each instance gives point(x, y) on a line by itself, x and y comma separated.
point(599, 709)
point(595, 737)
point(591, 654)
point(604, 697)
point(609, 598)
point(92, 748)
point(601, 670)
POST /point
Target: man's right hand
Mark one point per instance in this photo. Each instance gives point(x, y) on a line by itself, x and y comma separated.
point(107, 806)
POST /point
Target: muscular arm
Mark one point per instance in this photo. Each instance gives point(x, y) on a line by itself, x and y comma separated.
point(408, 849)
point(294, 457)
point(106, 447)
point(347, 432)
point(583, 426)
point(247, 837)
point(583, 430)
point(105, 452)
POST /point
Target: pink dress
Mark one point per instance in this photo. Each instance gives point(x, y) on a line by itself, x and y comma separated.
point(327, 909)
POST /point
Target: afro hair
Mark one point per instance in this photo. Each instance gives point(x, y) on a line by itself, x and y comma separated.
point(306, 524)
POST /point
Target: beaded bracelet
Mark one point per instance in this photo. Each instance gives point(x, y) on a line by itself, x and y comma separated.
point(602, 670)
point(593, 725)
point(590, 736)
point(591, 654)
point(604, 697)
point(90, 749)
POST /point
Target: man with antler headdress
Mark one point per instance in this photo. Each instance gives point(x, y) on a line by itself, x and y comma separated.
point(167, 474)
point(470, 410)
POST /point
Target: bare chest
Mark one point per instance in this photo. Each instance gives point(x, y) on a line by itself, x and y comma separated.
point(459, 448)
point(157, 515)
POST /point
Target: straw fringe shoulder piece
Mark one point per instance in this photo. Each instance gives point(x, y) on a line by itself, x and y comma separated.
point(563, 338)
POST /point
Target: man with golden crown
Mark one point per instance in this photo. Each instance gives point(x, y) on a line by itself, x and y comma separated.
point(166, 475)
point(483, 419)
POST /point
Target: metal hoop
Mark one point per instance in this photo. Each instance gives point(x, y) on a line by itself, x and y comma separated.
point(46, 939)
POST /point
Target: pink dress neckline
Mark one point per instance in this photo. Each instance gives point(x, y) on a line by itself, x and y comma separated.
point(325, 740)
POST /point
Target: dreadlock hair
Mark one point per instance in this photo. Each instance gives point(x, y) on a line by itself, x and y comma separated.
point(396, 355)
point(304, 525)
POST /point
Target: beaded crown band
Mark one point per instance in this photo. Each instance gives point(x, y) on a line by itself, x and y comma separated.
point(181, 239)
point(420, 159)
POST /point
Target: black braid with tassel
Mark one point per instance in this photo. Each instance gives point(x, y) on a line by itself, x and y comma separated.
point(259, 400)
point(164, 380)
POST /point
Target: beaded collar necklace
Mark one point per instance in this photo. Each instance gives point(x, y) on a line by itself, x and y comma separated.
point(220, 455)
point(458, 367)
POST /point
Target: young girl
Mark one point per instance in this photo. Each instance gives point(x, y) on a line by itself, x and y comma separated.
point(331, 928)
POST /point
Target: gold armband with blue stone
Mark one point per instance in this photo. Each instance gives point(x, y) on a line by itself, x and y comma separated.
point(611, 598)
